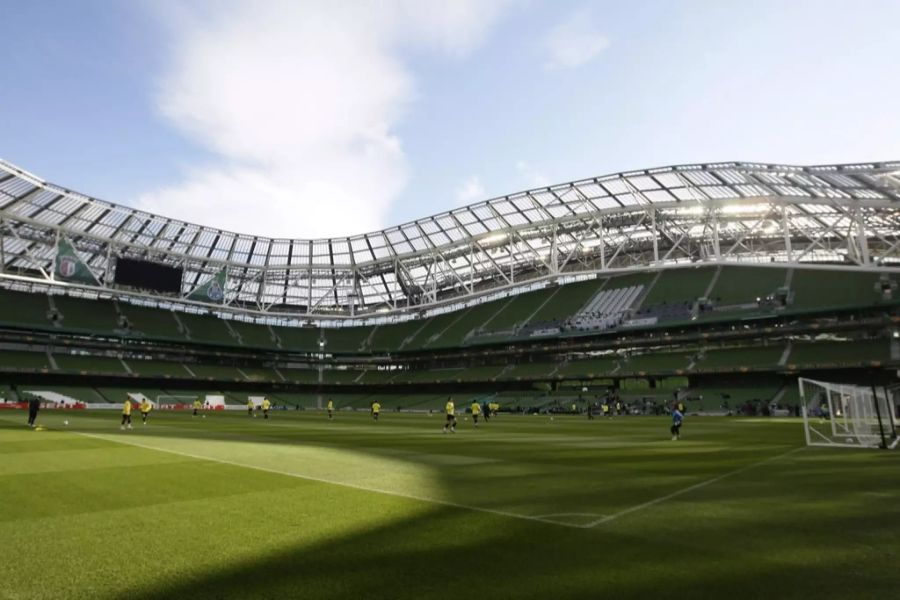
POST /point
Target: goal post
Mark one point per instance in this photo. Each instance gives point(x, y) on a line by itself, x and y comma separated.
point(845, 415)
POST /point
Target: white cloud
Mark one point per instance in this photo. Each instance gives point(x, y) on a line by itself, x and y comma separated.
point(470, 191)
point(531, 177)
point(299, 102)
point(573, 42)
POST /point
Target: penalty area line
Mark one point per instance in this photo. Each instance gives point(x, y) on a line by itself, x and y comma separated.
point(688, 489)
point(345, 484)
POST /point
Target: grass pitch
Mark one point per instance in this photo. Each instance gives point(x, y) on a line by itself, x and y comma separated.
point(523, 507)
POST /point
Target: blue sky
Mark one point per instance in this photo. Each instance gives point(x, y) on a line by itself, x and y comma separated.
point(310, 119)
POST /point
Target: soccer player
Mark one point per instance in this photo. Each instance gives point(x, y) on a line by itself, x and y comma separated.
point(126, 414)
point(197, 406)
point(450, 409)
point(266, 406)
point(476, 410)
point(590, 411)
point(376, 408)
point(330, 408)
point(605, 409)
point(677, 418)
point(146, 407)
point(34, 405)
point(250, 408)
point(486, 411)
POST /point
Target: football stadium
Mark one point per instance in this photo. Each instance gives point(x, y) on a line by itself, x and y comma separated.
point(670, 382)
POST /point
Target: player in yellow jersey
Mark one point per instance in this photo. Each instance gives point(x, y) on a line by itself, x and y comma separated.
point(450, 409)
point(250, 406)
point(197, 406)
point(376, 408)
point(266, 406)
point(330, 408)
point(476, 410)
point(126, 413)
point(146, 407)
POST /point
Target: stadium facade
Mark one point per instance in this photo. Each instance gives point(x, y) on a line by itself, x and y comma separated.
point(661, 281)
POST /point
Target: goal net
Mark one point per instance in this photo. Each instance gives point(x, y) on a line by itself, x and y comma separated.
point(845, 415)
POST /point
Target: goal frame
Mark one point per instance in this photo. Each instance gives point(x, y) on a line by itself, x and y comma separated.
point(849, 408)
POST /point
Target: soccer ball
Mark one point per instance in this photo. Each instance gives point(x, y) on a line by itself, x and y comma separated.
point(204, 416)
point(66, 422)
point(849, 440)
point(551, 418)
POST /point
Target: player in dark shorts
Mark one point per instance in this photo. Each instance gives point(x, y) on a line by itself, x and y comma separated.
point(34, 405)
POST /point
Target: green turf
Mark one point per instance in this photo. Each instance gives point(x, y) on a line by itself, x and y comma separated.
point(524, 507)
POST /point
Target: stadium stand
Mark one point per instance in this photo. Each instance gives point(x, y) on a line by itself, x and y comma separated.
point(513, 313)
point(157, 323)
point(729, 398)
point(207, 329)
point(567, 301)
point(215, 372)
point(532, 370)
point(28, 361)
point(741, 358)
point(158, 368)
point(300, 375)
point(589, 368)
point(817, 289)
point(375, 376)
point(78, 393)
point(737, 285)
point(88, 316)
point(259, 374)
point(459, 331)
point(253, 335)
point(389, 338)
point(658, 362)
point(89, 364)
point(24, 310)
point(341, 375)
point(835, 353)
point(298, 339)
point(680, 285)
point(346, 339)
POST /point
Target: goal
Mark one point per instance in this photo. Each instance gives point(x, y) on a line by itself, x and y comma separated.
point(175, 402)
point(846, 415)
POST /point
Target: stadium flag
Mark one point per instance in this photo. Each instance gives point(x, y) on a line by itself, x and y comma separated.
point(68, 265)
point(213, 290)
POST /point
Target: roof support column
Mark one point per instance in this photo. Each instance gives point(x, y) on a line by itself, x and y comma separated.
point(2, 248)
point(309, 274)
point(786, 229)
point(554, 251)
point(861, 239)
point(602, 245)
point(655, 236)
point(714, 215)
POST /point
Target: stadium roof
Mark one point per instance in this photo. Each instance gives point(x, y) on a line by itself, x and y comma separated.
point(636, 219)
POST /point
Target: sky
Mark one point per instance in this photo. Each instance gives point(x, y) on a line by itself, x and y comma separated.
point(310, 119)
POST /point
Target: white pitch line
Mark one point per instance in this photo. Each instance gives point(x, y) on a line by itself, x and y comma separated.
point(354, 486)
point(686, 490)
